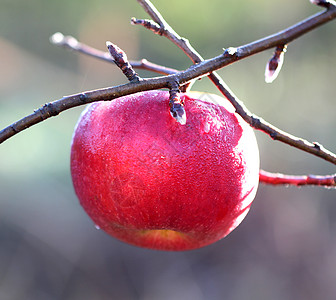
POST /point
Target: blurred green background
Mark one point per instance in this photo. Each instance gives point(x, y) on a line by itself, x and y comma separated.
point(49, 248)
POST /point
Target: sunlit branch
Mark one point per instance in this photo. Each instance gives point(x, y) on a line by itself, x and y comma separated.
point(279, 40)
point(69, 42)
point(302, 180)
point(198, 70)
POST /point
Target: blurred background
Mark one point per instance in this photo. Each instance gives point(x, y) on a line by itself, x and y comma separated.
point(50, 249)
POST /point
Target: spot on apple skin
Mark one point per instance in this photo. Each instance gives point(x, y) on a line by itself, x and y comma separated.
point(166, 234)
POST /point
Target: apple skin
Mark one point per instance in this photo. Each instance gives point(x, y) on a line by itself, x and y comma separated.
point(149, 181)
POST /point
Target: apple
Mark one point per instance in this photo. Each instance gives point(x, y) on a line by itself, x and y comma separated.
point(149, 181)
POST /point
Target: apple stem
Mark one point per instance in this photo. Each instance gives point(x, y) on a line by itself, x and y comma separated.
point(176, 104)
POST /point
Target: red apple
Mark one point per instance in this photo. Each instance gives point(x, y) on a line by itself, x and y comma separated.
point(149, 181)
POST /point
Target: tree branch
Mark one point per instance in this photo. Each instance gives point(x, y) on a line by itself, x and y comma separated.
point(302, 180)
point(121, 61)
point(198, 70)
point(279, 40)
point(69, 42)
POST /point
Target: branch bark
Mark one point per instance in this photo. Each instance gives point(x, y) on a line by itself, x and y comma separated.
point(301, 180)
point(69, 42)
point(282, 38)
point(200, 69)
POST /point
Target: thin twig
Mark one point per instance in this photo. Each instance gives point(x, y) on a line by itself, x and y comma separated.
point(274, 65)
point(195, 71)
point(282, 38)
point(302, 180)
point(122, 62)
point(69, 42)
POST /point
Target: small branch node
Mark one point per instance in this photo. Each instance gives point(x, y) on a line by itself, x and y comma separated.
point(83, 97)
point(176, 105)
point(121, 61)
point(47, 110)
point(274, 65)
point(274, 135)
point(255, 122)
point(185, 88)
point(13, 127)
point(149, 24)
point(231, 51)
point(186, 42)
point(317, 146)
point(324, 3)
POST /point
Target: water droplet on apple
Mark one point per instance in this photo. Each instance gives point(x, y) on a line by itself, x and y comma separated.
point(97, 227)
point(206, 127)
